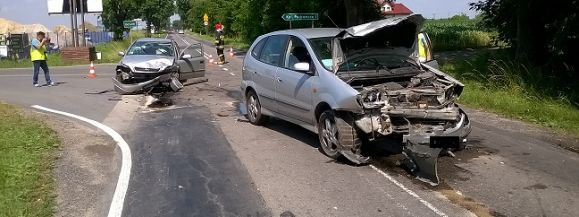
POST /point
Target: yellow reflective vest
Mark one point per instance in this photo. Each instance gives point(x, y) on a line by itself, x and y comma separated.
point(38, 54)
point(422, 55)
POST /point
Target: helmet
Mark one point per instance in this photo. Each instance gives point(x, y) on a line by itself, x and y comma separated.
point(218, 26)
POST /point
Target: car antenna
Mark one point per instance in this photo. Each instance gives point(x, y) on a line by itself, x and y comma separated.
point(328, 16)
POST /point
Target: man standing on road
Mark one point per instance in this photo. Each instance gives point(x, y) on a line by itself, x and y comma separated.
point(220, 42)
point(38, 58)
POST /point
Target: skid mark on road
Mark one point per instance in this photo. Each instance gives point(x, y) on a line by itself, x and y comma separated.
point(116, 208)
point(410, 192)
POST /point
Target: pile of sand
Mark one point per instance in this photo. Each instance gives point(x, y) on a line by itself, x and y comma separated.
point(7, 26)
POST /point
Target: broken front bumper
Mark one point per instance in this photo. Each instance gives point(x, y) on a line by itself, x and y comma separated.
point(140, 87)
point(421, 150)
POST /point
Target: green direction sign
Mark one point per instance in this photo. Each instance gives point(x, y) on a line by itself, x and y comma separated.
point(299, 16)
point(129, 24)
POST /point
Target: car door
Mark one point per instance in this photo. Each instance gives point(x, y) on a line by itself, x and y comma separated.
point(265, 67)
point(293, 89)
point(193, 66)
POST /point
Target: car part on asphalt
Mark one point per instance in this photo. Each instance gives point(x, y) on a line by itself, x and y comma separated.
point(356, 85)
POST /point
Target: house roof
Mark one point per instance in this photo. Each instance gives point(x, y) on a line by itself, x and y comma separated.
point(398, 9)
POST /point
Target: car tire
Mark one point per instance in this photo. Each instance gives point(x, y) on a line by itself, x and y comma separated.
point(335, 133)
point(181, 80)
point(253, 107)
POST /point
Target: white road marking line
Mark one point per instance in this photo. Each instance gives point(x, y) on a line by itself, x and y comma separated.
point(231, 73)
point(116, 208)
point(225, 69)
point(410, 192)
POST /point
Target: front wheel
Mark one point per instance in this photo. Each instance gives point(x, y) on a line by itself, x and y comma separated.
point(328, 133)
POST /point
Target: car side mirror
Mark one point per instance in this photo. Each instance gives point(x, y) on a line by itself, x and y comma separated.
point(121, 54)
point(302, 67)
point(186, 56)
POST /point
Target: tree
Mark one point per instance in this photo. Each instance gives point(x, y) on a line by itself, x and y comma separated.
point(541, 35)
point(251, 18)
point(183, 7)
point(117, 11)
point(156, 13)
point(177, 24)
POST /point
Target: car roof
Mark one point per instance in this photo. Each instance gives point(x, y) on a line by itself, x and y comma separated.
point(154, 39)
point(310, 32)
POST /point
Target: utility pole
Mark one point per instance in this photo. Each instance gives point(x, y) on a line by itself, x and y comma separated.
point(82, 9)
point(75, 27)
point(71, 22)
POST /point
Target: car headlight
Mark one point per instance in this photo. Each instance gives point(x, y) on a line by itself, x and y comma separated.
point(125, 76)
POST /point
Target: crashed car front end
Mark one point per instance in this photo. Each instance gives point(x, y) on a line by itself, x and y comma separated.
point(146, 77)
point(423, 111)
point(398, 96)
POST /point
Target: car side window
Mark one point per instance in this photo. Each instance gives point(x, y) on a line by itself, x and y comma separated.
point(296, 53)
point(257, 49)
point(273, 50)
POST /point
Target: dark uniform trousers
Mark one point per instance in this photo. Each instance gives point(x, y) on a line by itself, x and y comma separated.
point(220, 45)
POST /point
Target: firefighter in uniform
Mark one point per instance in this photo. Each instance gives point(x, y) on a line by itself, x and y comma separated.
point(220, 42)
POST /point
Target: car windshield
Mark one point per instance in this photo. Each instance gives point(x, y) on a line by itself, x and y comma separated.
point(151, 48)
point(323, 49)
point(365, 60)
point(359, 60)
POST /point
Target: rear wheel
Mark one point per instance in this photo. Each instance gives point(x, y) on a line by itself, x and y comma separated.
point(254, 109)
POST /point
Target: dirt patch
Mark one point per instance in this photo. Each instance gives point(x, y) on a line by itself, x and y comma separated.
point(538, 186)
point(85, 169)
point(456, 197)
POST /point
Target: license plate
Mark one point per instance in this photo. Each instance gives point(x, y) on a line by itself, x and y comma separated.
point(444, 142)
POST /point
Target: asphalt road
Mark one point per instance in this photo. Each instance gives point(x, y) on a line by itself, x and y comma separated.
point(200, 158)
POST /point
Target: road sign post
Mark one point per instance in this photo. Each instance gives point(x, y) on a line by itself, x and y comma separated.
point(291, 17)
point(128, 24)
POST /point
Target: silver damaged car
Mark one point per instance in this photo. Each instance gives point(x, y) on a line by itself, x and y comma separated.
point(356, 85)
point(154, 65)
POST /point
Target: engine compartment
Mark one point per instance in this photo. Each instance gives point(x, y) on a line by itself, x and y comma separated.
point(414, 101)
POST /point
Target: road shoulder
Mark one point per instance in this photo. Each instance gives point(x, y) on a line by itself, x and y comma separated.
point(85, 169)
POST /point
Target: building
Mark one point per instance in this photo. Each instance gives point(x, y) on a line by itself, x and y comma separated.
point(393, 9)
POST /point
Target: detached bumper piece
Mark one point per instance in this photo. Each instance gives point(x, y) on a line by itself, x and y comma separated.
point(421, 150)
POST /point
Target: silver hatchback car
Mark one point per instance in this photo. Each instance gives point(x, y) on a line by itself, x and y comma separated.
point(352, 86)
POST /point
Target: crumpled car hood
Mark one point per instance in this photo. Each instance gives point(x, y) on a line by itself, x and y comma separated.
point(147, 61)
point(396, 33)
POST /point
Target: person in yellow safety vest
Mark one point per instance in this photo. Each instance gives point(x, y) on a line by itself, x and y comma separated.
point(424, 52)
point(38, 58)
point(220, 42)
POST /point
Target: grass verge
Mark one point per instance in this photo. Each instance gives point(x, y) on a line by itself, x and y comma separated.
point(236, 43)
point(502, 86)
point(26, 160)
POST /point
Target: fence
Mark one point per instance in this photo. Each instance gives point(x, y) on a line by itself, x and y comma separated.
point(64, 39)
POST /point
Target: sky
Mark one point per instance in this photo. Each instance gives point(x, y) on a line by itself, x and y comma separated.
point(35, 11)
point(438, 8)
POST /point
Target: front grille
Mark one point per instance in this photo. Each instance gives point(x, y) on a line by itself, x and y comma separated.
point(145, 76)
point(146, 69)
